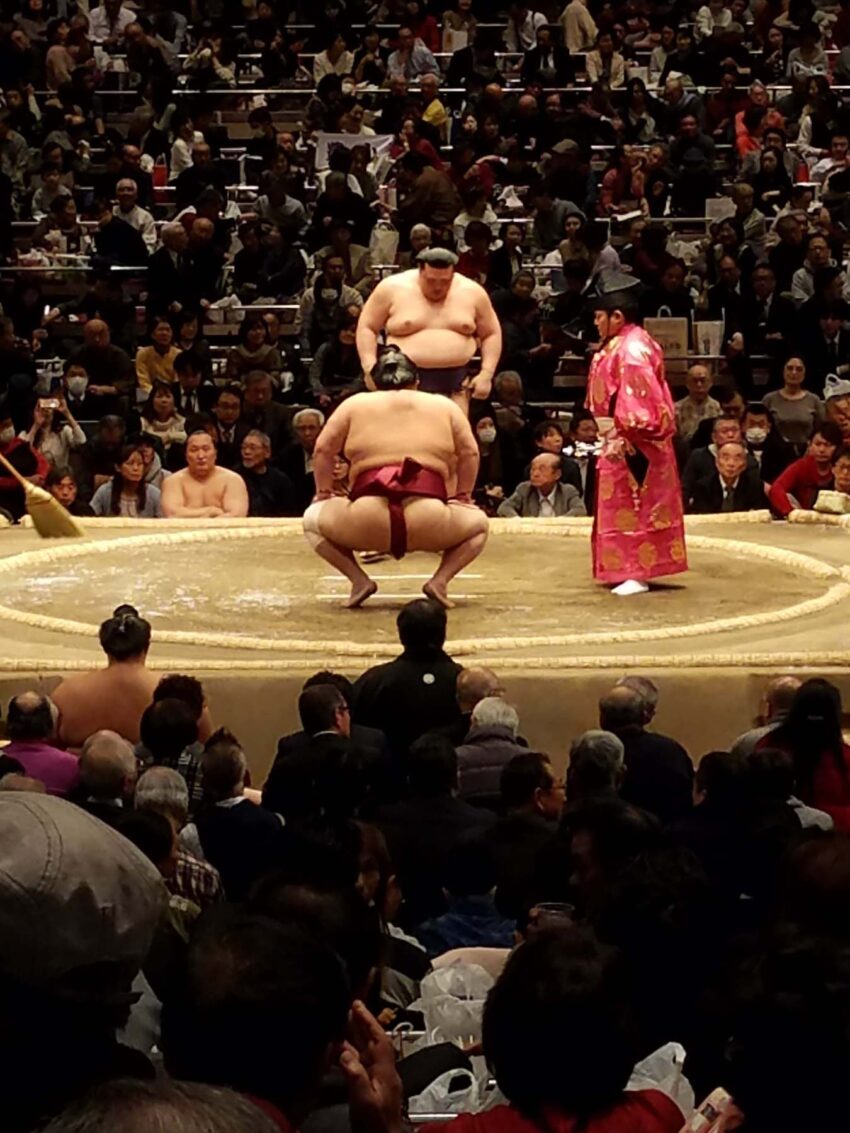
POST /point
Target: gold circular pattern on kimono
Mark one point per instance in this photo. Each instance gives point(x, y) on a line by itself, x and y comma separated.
point(626, 520)
point(606, 488)
point(647, 555)
point(661, 519)
point(250, 595)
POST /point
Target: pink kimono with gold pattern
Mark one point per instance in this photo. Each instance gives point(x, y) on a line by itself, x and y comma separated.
point(638, 530)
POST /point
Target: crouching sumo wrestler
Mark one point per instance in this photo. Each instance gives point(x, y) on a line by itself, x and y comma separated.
point(413, 466)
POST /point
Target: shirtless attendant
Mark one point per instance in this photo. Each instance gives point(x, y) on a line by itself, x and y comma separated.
point(435, 316)
point(405, 447)
point(203, 490)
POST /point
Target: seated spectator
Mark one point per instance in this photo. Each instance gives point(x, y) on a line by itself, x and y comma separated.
point(335, 371)
point(578, 1075)
point(282, 271)
point(841, 469)
point(194, 392)
point(245, 973)
point(811, 734)
point(799, 484)
point(659, 772)
point(296, 460)
point(162, 791)
point(130, 211)
point(253, 354)
point(429, 197)
point(772, 781)
point(606, 62)
point(544, 495)
point(168, 732)
point(203, 490)
point(261, 411)
point(698, 404)
point(488, 492)
point(339, 201)
point(817, 255)
point(487, 748)
point(29, 728)
point(506, 260)
point(475, 261)
point(424, 827)
point(23, 457)
point(827, 349)
point(335, 59)
point(110, 370)
point(108, 773)
point(116, 242)
point(596, 766)
point(60, 232)
point(671, 299)
point(411, 58)
point(155, 363)
point(472, 919)
point(774, 705)
point(549, 59)
point(240, 839)
point(703, 461)
point(733, 487)
point(270, 491)
point(54, 433)
point(229, 430)
point(323, 303)
point(356, 257)
point(532, 798)
point(382, 697)
point(113, 698)
point(50, 189)
point(160, 416)
point(62, 485)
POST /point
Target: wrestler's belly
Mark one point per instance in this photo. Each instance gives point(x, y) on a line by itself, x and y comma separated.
point(436, 348)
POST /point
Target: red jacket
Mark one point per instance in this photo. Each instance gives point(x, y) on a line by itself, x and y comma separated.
point(28, 462)
point(800, 480)
point(639, 1111)
point(830, 788)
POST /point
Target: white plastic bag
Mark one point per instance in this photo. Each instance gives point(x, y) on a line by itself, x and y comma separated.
point(456, 1091)
point(662, 1070)
point(383, 244)
point(452, 1002)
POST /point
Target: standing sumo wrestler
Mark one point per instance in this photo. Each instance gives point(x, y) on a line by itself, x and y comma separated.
point(414, 460)
point(435, 316)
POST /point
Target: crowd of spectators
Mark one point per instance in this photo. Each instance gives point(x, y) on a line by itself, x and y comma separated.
point(180, 942)
point(195, 204)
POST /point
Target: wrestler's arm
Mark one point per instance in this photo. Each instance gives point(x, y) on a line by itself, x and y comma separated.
point(489, 332)
point(234, 501)
point(372, 320)
point(331, 442)
point(466, 452)
point(172, 502)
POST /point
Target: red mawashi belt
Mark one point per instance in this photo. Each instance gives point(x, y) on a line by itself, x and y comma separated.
point(395, 483)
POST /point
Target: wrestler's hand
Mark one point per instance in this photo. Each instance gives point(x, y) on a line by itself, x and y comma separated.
point(464, 499)
point(325, 494)
point(480, 386)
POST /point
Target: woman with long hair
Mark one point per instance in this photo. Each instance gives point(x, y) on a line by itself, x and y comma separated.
point(811, 735)
point(161, 417)
point(127, 493)
point(771, 183)
point(506, 261)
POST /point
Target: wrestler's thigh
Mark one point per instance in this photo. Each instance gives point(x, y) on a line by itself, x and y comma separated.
point(358, 525)
point(435, 526)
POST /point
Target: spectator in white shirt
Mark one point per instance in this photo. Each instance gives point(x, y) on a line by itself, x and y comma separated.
point(838, 149)
point(521, 32)
point(712, 17)
point(336, 59)
point(129, 210)
point(181, 150)
point(108, 22)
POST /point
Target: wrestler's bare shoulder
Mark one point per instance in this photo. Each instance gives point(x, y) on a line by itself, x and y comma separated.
point(398, 281)
point(395, 399)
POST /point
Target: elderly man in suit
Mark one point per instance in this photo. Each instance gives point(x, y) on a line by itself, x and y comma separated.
point(543, 495)
point(733, 486)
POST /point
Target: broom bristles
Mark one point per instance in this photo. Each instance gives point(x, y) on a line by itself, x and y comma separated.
point(48, 516)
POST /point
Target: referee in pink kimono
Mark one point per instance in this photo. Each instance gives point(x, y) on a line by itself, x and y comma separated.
point(638, 530)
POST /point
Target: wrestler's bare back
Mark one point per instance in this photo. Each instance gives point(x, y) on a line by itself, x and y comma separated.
point(385, 427)
point(434, 335)
point(221, 489)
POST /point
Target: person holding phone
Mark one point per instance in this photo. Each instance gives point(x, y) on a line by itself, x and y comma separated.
point(54, 432)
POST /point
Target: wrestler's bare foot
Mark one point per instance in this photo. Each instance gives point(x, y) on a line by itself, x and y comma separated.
point(360, 591)
point(433, 589)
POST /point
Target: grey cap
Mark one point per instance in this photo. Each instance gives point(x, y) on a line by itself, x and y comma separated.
point(835, 387)
point(73, 893)
point(437, 258)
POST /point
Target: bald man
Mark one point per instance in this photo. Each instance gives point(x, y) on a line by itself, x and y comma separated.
point(439, 319)
point(775, 705)
point(110, 369)
point(413, 466)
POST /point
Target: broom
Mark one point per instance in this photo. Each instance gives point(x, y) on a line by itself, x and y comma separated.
point(48, 516)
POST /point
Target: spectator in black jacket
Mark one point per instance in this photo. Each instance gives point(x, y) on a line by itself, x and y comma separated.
point(659, 773)
point(116, 241)
point(415, 693)
point(270, 491)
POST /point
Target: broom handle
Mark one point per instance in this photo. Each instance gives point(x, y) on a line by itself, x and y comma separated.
point(14, 472)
